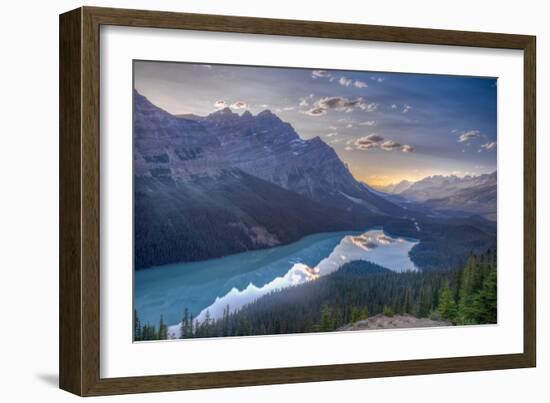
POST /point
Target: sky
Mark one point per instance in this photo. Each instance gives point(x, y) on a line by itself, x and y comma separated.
point(385, 126)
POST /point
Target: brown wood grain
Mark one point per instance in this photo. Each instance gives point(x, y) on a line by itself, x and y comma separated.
point(80, 200)
point(70, 185)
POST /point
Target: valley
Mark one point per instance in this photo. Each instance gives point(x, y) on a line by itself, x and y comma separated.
point(234, 211)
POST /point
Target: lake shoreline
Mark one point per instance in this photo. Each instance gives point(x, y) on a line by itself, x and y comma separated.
point(154, 267)
point(242, 278)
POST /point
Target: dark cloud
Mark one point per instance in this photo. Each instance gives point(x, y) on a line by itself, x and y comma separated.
point(316, 111)
point(390, 145)
point(364, 143)
point(340, 104)
point(219, 104)
point(239, 105)
point(373, 141)
point(375, 137)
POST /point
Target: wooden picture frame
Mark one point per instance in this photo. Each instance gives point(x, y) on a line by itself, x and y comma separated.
point(79, 346)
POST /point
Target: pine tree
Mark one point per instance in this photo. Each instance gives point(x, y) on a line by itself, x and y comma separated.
point(184, 330)
point(225, 321)
point(137, 327)
point(485, 301)
point(326, 323)
point(365, 314)
point(425, 304)
point(408, 304)
point(355, 314)
point(163, 330)
point(447, 304)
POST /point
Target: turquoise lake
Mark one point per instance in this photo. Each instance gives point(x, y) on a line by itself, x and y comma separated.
point(241, 278)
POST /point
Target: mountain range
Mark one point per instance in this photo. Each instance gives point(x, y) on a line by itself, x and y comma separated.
point(224, 183)
point(394, 188)
point(467, 195)
point(210, 186)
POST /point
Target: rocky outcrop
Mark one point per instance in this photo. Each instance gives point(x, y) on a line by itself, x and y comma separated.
point(393, 322)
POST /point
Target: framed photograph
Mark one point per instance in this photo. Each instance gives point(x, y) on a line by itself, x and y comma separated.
point(249, 201)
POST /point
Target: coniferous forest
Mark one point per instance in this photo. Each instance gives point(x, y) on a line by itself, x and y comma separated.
point(466, 295)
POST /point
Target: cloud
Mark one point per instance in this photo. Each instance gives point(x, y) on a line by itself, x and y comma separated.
point(390, 145)
point(369, 107)
point(468, 135)
point(303, 103)
point(406, 108)
point(393, 106)
point(373, 141)
point(349, 126)
point(284, 109)
point(368, 142)
point(374, 137)
point(320, 74)
point(407, 148)
point(345, 81)
point(377, 79)
point(316, 111)
point(364, 143)
point(324, 104)
point(332, 134)
point(220, 104)
point(367, 123)
point(349, 148)
point(488, 146)
point(340, 104)
point(239, 105)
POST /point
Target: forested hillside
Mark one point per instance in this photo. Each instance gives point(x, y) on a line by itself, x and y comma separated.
point(463, 296)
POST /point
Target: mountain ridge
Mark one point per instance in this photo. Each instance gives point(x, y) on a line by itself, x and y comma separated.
point(206, 187)
point(226, 183)
point(262, 146)
point(439, 193)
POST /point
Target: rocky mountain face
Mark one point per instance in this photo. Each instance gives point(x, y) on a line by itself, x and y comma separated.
point(479, 198)
point(439, 186)
point(225, 183)
point(469, 194)
point(263, 146)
